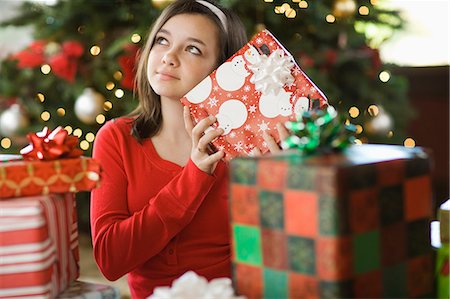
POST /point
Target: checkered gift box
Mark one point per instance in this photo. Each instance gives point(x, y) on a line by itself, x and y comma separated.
point(344, 225)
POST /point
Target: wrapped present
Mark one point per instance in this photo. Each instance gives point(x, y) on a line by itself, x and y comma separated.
point(38, 245)
point(86, 290)
point(52, 165)
point(338, 225)
point(259, 86)
point(442, 247)
point(29, 178)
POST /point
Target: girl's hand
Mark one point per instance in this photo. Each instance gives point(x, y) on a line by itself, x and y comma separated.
point(200, 154)
point(271, 144)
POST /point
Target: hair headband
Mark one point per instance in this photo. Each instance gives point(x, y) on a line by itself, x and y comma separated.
point(219, 13)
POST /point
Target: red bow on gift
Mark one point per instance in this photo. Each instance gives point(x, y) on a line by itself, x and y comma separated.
point(53, 145)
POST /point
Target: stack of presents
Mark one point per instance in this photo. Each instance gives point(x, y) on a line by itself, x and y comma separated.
point(38, 220)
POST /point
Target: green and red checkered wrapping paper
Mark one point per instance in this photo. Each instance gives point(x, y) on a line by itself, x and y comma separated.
point(354, 224)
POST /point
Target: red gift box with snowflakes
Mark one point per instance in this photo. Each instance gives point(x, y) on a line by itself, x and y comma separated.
point(256, 88)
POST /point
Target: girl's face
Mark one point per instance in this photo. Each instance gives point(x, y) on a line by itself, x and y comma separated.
point(186, 50)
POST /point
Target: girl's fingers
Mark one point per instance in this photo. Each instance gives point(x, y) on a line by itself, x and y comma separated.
point(214, 158)
point(271, 144)
point(199, 129)
point(255, 152)
point(188, 123)
point(282, 132)
point(209, 136)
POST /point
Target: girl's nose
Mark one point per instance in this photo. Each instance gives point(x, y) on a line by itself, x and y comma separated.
point(170, 58)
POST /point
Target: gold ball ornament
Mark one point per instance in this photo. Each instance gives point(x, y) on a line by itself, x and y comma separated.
point(161, 4)
point(88, 105)
point(344, 8)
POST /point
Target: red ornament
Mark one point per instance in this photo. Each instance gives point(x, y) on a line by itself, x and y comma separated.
point(31, 57)
point(53, 145)
point(127, 63)
point(63, 66)
point(72, 49)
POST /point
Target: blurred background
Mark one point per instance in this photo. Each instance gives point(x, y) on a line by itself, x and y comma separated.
point(382, 63)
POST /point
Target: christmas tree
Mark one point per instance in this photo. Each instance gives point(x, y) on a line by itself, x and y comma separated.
point(78, 71)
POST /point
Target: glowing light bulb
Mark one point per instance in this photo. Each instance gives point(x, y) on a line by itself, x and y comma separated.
point(61, 111)
point(45, 115)
point(84, 145)
point(363, 10)
point(354, 112)
point(359, 129)
point(68, 129)
point(45, 69)
point(100, 119)
point(77, 132)
point(384, 76)
point(135, 38)
point(409, 142)
point(5, 143)
point(117, 75)
point(303, 4)
point(290, 13)
point(110, 85)
point(95, 50)
point(330, 18)
point(107, 106)
point(119, 93)
point(373, 110)
point(40, 97)
point(90, 137)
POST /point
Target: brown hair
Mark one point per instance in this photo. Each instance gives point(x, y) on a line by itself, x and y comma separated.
point(148, 116)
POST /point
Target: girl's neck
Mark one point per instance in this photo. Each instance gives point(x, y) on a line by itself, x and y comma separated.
point(173, 128)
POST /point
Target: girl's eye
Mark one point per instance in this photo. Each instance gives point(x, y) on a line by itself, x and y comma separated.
point(161, 41)
point(194, 50)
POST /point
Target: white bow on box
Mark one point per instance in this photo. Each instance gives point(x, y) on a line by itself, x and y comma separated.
point(190, 285)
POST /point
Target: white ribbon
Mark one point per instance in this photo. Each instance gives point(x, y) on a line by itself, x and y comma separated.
point(190, 285)
point(272, 73)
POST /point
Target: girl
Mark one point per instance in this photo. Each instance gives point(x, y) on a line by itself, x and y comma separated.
point(161, 209)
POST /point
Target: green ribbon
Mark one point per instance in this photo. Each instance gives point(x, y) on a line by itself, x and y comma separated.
point(319, 131)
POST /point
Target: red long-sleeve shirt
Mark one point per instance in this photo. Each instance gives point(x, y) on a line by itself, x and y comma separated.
point(152, 218)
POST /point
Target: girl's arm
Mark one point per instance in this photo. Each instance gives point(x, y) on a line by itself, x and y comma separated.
point(123, 241)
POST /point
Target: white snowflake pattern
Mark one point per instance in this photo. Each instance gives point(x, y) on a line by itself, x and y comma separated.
point(252, 109)
point(259, 40)
point(247, 88)
point(313, 90)
point(250, 146)
point(244, 98)
point(247, 127)
point(271, 44)
point(233, 134)
point(238, 146)
point(229, 95)
point(296, 71)
point(263, 126)
point(212, 102)
point(216, 88)
point(220, 148)
point(264, 144)
point(201, 106)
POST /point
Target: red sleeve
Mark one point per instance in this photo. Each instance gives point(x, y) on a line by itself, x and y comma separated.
point(123, 241)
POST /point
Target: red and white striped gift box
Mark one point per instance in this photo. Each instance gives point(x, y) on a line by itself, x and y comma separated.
point(38, 245)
